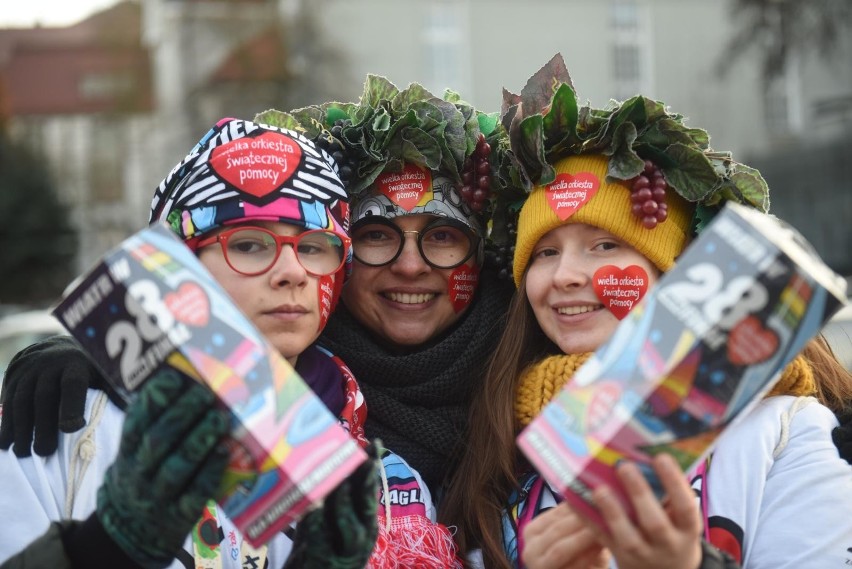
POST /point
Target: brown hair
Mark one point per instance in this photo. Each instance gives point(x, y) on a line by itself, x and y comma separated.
point(833, 381)
point(488, 472)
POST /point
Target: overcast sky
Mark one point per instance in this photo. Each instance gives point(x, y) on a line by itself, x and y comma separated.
point(28, 13)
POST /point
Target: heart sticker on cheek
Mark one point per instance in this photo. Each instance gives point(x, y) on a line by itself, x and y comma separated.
point(620, 289)
point(569, 192)
point(750, 342)
point(463, 283)
point(189, 304)
point(325, 286)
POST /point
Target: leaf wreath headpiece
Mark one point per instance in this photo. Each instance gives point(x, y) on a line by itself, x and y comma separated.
point(389, 128)
point(547, 124)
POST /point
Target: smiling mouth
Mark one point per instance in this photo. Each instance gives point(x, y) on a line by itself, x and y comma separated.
point(408, 298)
point(572, 310)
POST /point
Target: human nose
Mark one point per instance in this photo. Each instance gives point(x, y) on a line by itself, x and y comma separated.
point(571, 272)
point(287, 270)
point(410, 262)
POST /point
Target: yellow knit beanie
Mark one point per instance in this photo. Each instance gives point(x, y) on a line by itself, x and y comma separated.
point(609, 208)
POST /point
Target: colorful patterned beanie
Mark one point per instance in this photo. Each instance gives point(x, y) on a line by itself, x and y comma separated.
point(241, 171)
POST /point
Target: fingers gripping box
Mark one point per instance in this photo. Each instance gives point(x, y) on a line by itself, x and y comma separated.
point(705, 344)
point(149, 303)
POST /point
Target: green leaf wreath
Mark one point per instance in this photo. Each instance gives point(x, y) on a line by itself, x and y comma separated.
point(544, 129)
point(389, 127)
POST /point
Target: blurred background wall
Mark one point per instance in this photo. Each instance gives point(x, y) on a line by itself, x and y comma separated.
point(104, 107)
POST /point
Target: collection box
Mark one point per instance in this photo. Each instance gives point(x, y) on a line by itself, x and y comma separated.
point(704, 345)
point(149, 303)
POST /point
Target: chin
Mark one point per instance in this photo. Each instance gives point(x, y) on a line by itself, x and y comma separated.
point(290, 347)
point(407, 339)
point(577, 346)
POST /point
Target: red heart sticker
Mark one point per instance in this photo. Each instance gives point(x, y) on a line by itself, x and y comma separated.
point(405, 188)
point(568, 193)
point(750, 342)
point(189, 304)
point(620, 289)
point(325, 284)
point(259, 165)
point(463, 282)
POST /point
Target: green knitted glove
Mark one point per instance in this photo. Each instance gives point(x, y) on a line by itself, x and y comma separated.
point(169, 464)
point(342, 532)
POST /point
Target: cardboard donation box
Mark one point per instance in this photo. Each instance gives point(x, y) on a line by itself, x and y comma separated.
point(149, 303)
point(705, 344)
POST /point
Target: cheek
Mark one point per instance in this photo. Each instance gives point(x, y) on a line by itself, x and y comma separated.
point(234, 284)
point(357, 287)
point(535, 284)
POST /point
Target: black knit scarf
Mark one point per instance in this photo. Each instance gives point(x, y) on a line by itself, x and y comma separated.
point(417, 402)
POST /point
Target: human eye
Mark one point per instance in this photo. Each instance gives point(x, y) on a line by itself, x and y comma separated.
point(544, 252)
point(375, 234)
point(318, 244)
point(250, 243)
point(444, 236)
point(607, 246)
point(604, 245)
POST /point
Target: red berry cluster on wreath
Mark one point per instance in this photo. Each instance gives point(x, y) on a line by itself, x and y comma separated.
point(476, 176)
point(648, 194)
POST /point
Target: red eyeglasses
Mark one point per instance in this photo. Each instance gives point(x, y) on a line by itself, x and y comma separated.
point(253, 250)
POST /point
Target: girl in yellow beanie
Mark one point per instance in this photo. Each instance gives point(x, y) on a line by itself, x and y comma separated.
point(614, 196)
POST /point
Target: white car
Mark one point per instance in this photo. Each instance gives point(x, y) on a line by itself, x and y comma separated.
point(19, 330)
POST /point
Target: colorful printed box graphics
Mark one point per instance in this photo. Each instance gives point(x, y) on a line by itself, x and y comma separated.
point(699, 350)
point(151, 301)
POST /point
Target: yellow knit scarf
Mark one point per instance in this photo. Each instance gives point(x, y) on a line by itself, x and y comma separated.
point(541, 381)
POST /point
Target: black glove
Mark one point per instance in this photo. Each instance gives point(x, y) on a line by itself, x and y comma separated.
point(842, 435)
point(341, 533)
point(169, 465)
point(44, 392)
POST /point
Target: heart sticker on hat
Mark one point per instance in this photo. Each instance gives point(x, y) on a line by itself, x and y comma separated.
point(257, 166)
point(750, 342)
point(620, 289)
point(569, 192)
point(189, 304)
point(463, 283)
point(405, 188)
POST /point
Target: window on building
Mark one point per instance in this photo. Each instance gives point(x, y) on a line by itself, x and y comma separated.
point(445, 46)
point(626, 62)
point(630, 49)
point(777, 109)
point(105, 85)
point(105, 170)
point(624, 14)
